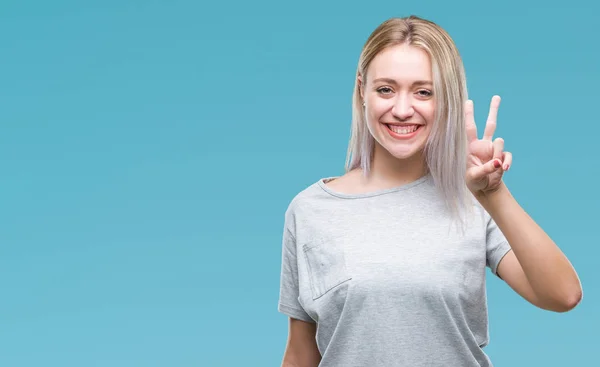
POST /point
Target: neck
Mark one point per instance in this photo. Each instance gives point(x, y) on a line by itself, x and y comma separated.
point(389, 171)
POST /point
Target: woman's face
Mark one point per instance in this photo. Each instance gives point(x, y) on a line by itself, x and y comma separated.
point(399, 100)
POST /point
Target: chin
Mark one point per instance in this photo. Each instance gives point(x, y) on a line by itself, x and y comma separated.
point(404, 154)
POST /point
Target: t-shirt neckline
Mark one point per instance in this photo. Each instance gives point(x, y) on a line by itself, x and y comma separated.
point(406, 186)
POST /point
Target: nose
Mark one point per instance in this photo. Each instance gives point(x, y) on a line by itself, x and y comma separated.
point(403, 108)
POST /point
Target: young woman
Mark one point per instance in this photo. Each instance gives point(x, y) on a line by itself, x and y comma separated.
point(385, 265)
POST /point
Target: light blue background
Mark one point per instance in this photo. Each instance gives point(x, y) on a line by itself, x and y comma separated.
point(148, 150)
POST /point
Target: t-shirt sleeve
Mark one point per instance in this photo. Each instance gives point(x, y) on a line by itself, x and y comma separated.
point(497, 245)
point(289, 287)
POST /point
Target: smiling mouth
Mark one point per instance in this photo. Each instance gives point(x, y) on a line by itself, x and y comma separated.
point(404, 129)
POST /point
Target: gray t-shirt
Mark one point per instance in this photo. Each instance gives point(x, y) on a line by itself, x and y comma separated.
point(387, 278)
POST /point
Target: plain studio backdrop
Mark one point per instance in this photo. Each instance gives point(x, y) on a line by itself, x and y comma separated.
point(149, 149)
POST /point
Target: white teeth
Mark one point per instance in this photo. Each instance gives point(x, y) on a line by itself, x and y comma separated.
point(403, 129)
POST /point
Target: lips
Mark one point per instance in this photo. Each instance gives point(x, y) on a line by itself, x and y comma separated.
point(403, 131)
point(398, 125)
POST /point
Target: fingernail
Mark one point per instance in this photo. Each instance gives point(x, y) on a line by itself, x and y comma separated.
point(497, 164)
point(506, 167)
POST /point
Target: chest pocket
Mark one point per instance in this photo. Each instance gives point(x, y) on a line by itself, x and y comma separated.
point(326, 265)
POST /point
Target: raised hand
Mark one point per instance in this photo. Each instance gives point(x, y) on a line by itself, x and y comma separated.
point(486, 160)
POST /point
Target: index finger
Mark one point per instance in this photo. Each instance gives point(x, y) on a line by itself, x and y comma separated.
point(470, 122)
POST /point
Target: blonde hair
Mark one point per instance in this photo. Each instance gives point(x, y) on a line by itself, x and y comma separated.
point(446, 147)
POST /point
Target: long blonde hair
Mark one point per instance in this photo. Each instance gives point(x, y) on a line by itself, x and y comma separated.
point(446, 147)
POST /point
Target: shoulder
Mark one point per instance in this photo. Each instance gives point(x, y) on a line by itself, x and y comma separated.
point(305, 198)
point(346, 183)
point(318, 197)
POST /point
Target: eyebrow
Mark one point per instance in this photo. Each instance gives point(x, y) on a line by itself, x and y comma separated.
point(392, 81)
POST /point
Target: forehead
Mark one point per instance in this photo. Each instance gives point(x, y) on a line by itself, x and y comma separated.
point(402, 63)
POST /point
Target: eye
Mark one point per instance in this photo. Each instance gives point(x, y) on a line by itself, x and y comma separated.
point(424, 93)
point(385, 90)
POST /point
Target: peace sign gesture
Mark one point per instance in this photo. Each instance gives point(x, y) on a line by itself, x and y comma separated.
point(486, 159)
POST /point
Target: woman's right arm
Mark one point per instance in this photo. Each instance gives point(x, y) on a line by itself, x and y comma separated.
point(301, 349)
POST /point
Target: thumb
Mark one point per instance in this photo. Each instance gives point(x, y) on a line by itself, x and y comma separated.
point(480, 172)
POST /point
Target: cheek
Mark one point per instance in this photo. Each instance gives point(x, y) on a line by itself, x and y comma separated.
point(376, 110)
point(372, 122)
point(427, 112)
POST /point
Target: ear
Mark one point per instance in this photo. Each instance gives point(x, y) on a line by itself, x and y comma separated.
point(359, 80)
